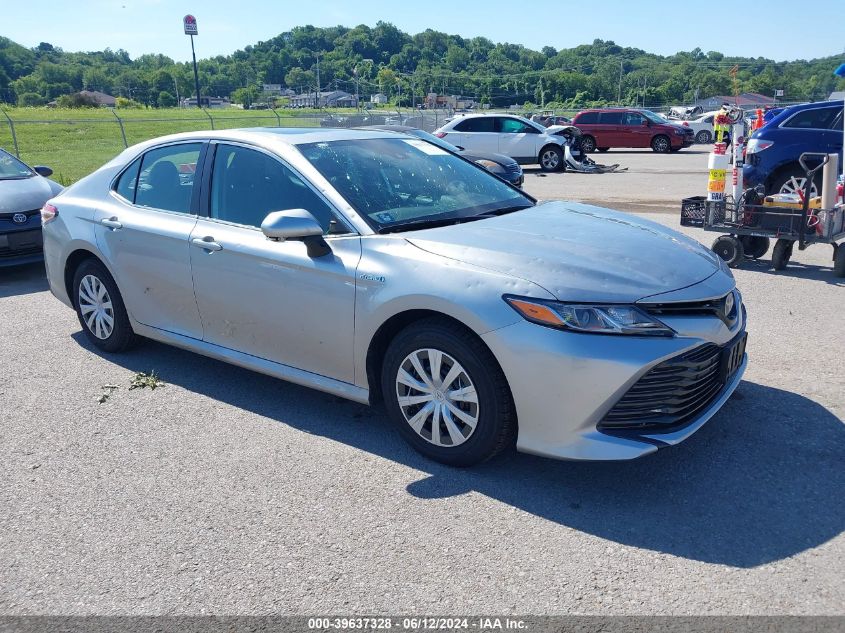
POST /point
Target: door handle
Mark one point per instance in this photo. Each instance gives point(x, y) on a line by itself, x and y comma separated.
point(207, 243)
point(111, 222)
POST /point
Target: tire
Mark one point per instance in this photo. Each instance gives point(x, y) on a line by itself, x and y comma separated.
point(455, 442)
point(588, 144)
point(704, 137)
point(791, 180)
point(661, 144)
point(781, 254)
point(550, 158)
point(729, 248)
point(97, 300)
point(603, 149)
point(839, 260)
point(754, 246)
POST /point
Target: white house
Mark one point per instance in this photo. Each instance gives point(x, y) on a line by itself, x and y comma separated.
point(378, 98)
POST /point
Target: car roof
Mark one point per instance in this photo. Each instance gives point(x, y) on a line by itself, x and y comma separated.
point(288, 136)
point(788, 112)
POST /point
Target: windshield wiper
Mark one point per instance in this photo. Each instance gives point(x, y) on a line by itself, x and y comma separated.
point(503, 211)
point(429, 223)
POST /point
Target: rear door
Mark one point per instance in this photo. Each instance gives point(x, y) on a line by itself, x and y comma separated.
point(611, 132)
point(475, 134)
point(142, 230)
point(517, 139)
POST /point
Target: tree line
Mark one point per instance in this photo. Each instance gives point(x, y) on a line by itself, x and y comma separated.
point(407, 67)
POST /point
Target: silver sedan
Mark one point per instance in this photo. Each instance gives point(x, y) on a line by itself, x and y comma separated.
point(380, 267)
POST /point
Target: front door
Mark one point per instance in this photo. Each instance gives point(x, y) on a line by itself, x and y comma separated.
point(142, 230)
point(637, 132)
point(265, 298)
point(517, 139)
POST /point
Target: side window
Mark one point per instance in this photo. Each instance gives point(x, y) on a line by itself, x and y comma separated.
point(708, 119)
point(587, 118)
point(246, 185)
point(476, 124)
point(817, 119)
point(633, 118)
point(515, 126)
point(128, 181)
point(166, 180)
point(611, 118)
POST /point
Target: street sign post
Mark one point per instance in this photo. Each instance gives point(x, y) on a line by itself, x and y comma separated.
point(189, 22)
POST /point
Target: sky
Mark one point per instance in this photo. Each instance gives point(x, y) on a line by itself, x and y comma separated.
point(656, 26)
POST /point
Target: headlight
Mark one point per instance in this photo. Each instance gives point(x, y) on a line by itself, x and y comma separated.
point(489, 164)
point(591, 318)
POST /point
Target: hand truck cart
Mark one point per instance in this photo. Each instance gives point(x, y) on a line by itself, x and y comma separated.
point(748, 226)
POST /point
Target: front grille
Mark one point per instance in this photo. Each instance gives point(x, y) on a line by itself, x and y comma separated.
point(671, 393)
point(710, 307)
point(14, 254)
point(512, 168)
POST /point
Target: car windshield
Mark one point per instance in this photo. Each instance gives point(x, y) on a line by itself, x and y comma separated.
point(651, 116)
point(409, 183)
point(12, 168)
point(426, 136)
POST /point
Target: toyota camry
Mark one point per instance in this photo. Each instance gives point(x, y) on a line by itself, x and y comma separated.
point(382, 268)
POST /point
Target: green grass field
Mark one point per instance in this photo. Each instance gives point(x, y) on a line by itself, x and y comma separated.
point(76, 142)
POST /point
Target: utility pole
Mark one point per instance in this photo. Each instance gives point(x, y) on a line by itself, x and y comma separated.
point(619, 94)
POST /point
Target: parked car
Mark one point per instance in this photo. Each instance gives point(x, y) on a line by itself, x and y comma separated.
point(373, 266)
point(23, 191)
point(772, 152)
point(523, 140)
point(702, 127)
point(627, 127)
point(503, 166)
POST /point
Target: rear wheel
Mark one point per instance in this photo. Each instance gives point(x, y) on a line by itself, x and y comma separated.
point(755, 246)
point(729, 248)
point(703, 137)
point(839, 260)
point(661, 144)
point(551, 158)
point(781, 254)
point(588, 144)
point(100, 308)
point(446, 394)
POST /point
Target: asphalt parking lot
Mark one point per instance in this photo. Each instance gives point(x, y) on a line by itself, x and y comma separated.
point(230, 492)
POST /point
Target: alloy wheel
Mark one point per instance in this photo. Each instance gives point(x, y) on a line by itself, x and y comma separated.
point(96, 307)
point(437, 397)
point(796, 184)
point(549, 159)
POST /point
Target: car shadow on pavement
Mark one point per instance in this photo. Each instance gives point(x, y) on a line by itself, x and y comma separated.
point(795, 269)
point(762, 481)
point(22, 280)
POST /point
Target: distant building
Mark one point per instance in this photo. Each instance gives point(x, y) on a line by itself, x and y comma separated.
point(331, 99)
point(100, 98)
point(378, 98)
point(745, 100)
point(454, 102)
point(207, 102)
point(272, 89)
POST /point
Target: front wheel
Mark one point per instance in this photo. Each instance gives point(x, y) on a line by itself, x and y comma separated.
point(588, 144)
point(100, 308)
point(550, 159)
point(729, 248)
point(661, 144)
point(781, 254)
point(446, 394)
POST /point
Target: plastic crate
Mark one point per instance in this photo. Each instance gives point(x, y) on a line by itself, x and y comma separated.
point(692, 211)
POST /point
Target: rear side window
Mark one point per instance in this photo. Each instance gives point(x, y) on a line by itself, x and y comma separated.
point(611, 118)
point(478, 124)
point(816, 119)
point(126, 184)
point(587, 117)
point(633, 118)
point(166, 179)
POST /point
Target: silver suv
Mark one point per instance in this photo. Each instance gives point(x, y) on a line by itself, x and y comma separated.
point(523, 140)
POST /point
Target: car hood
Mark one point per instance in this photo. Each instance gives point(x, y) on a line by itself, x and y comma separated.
point(25, 194)
point(577, 252)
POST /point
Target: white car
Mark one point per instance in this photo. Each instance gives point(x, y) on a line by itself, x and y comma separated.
point(702, 126)
point(526, 142)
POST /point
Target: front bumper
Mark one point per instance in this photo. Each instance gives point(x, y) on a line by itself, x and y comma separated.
point(20, 243)
point(564, 383)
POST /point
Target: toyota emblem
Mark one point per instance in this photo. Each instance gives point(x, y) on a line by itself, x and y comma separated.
point(19, 218)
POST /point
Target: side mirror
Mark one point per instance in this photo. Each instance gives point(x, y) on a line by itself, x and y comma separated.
point(296, 224)
point(41, 170)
